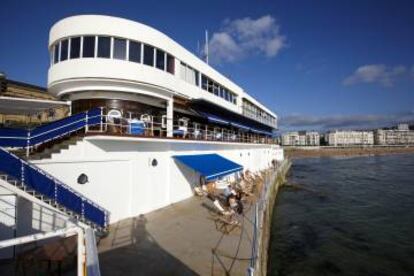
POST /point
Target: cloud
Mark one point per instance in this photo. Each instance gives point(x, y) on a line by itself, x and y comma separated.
point(369, 121)
point(375, 73)
point(240, 38)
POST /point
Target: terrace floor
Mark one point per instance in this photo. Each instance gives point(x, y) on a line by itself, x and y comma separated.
point(186, 238)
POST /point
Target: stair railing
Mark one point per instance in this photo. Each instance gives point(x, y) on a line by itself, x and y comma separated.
point(33, 178)
point(23, 138)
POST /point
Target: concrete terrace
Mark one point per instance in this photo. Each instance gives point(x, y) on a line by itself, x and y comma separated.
point(186, 238)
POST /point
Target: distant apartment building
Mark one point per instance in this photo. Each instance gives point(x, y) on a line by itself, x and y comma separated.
point(350, 137)
point(400, 136)
point(300, 138)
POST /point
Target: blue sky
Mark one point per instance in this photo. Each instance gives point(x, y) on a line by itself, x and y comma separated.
point(317, 64)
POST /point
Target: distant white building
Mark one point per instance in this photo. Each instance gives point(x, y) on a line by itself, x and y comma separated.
point(312, 138)
point(350, 137)
point(400, 136)
point(300, 138)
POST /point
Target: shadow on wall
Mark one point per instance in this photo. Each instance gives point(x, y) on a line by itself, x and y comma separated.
point(131, 250)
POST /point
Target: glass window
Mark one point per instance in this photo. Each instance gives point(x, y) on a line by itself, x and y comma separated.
point(88, 46)
point(119, 48)
point(104, 46)
point(204, 82)
point(183, 69)
point(75, 47)
point(196, 78)
point(210, 86)
point(160, 59)
point(170, 64)
point(221, 92)
point(148, 55)
point(226, 95)
point(64, 50)
point(134, 51)
point(216, 88)
point(56, 55)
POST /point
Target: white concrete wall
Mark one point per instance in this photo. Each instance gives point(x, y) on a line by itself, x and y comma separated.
point(122, 179)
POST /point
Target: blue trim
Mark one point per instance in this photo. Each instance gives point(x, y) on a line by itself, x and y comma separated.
point(10, 137)
point(211, 166)
point(41, 182)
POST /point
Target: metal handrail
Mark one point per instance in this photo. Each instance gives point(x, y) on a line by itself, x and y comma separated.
point(56, 183)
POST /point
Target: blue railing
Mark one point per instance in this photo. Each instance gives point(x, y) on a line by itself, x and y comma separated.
point(43, 183)
point(10, 137)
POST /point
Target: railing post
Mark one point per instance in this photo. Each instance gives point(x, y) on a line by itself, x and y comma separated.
point(86, 122)
point(28, 144)
point(101, 122)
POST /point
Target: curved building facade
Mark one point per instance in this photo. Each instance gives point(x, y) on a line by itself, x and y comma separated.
point(124, 65)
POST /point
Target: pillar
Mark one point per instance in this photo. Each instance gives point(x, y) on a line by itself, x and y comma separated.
point(170, 117)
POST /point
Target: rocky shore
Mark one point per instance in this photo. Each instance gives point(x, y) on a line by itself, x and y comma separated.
point(305, 152)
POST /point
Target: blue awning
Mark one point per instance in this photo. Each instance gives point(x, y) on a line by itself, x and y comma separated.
point(240, 126)
point(211, 166)
point(214, 118)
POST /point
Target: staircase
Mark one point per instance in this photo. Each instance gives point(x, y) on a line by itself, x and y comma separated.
point(27, 177)
point(38, 183)
point(54, 148)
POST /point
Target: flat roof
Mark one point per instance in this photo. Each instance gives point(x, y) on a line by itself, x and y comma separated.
point(25, 106)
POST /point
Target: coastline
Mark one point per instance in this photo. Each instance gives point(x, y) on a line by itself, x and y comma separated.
point(314, 152)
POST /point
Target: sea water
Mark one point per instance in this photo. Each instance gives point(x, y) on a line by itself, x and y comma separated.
point(345, 216)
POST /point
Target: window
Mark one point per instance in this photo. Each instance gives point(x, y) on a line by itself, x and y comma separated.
point(216, 89)
point(204, 82)
point(75, 47)
point(170, 64)
point(134, 51)
point(64, 50)
point(221, 92)
point(210, 86)
point(148, 55)
point(88, 46)
point(196, 78)
point(56, 54)
point(226, 95)
point(104, 46)
point(183, 69)
point(119, 48)
point(160, 64)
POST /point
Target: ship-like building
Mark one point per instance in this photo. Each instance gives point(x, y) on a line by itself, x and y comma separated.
point(148, 121)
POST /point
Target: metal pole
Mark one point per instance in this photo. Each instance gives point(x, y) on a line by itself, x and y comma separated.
point(86, 122)
point(28, 144)
point(101, 125)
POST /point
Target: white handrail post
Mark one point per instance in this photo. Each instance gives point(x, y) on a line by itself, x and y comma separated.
point(28, 144)
point(101, 125)
point(86, 122)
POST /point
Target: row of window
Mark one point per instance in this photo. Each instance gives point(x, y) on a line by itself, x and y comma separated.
point(254, 112)
point(124, 49)
point(112, 47)
point(217, 89)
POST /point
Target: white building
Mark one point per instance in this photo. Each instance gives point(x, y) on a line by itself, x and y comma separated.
point(350, 137)
point(400, 136)
point(301, 138)
point(138, 76)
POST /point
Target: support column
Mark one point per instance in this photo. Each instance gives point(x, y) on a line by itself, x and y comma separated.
point(170, 117)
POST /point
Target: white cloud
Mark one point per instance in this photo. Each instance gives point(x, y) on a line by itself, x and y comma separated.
point(375, 73)
point(243, 37)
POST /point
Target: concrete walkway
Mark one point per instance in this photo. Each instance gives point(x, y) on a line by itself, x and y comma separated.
point(186, 238)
